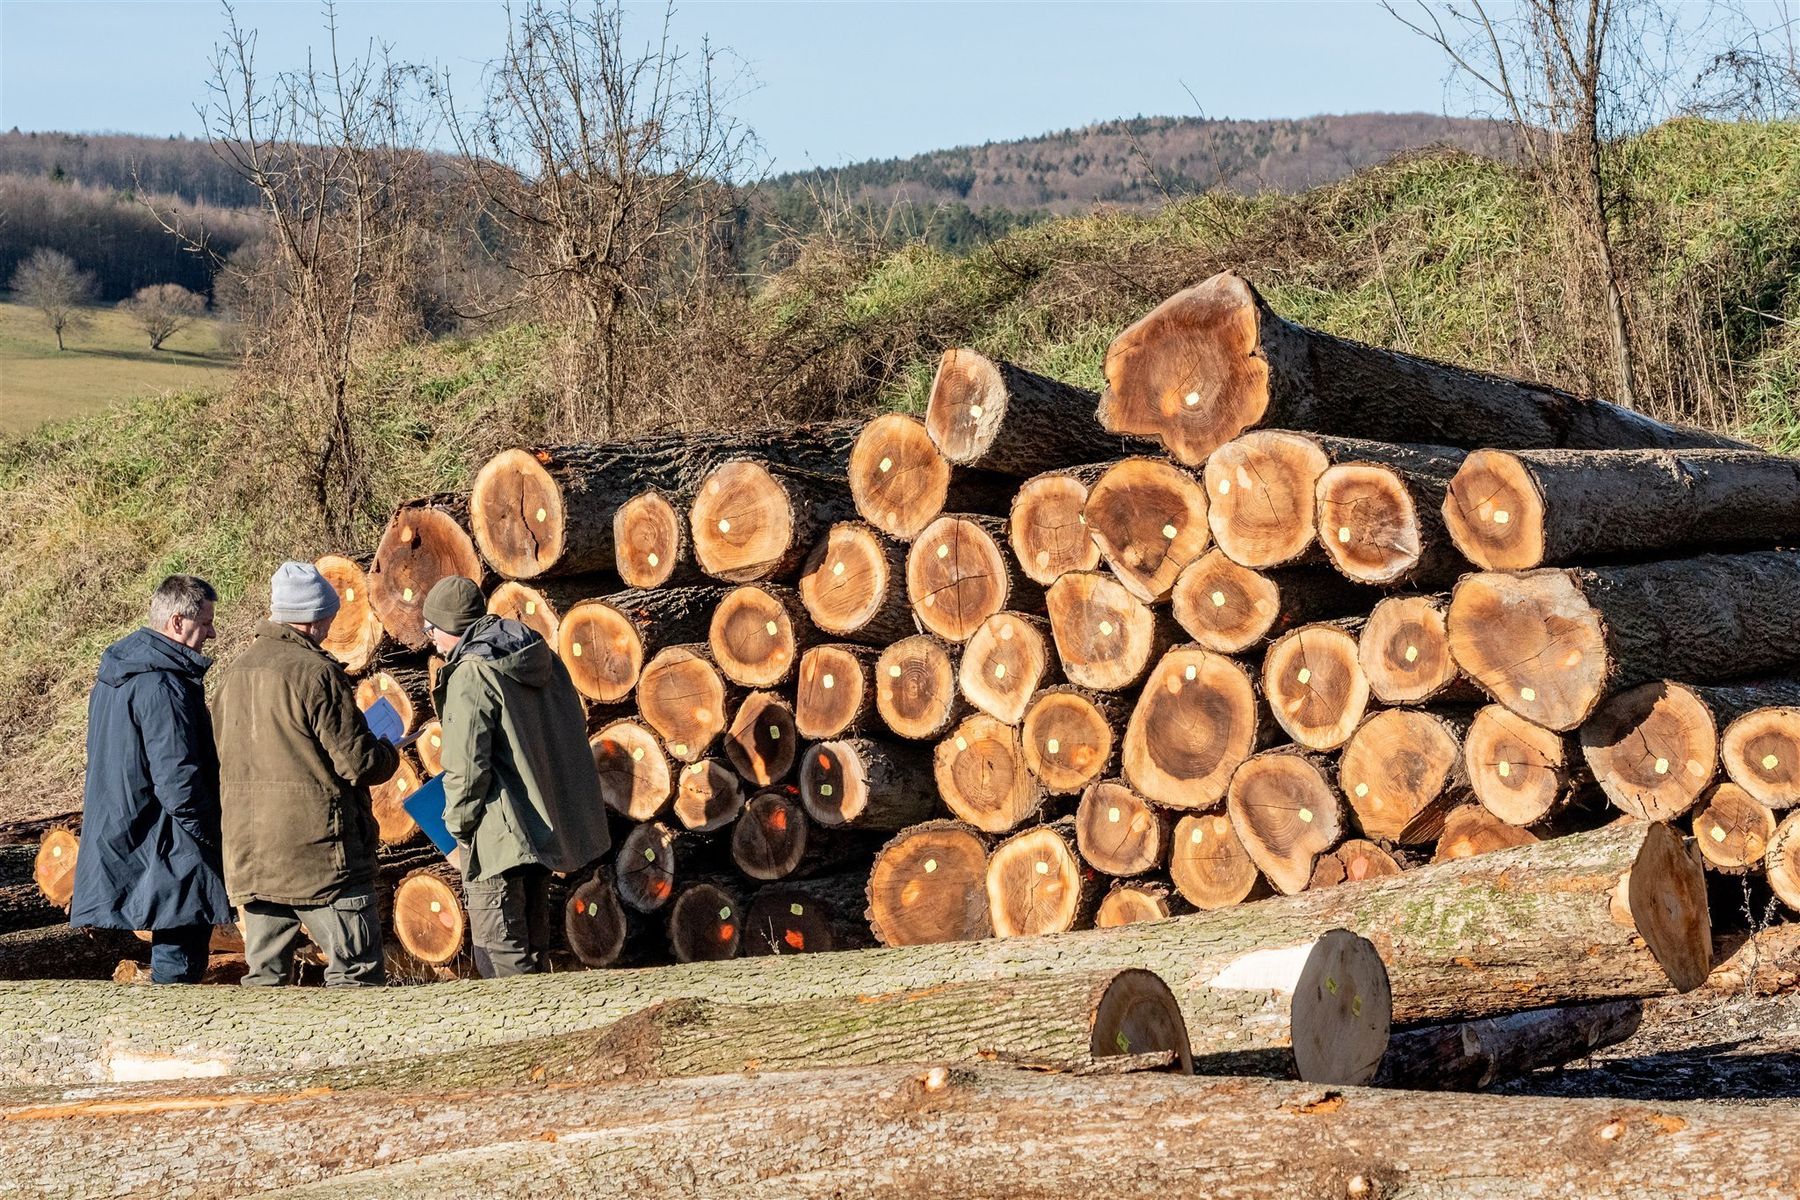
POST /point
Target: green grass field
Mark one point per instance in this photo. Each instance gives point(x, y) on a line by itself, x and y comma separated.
point(109, 361)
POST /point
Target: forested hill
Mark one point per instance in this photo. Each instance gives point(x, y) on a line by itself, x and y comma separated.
point(1143, 162)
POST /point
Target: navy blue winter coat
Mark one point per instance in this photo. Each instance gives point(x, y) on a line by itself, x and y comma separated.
point(149, 856)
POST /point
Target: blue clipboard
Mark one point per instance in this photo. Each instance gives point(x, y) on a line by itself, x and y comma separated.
point(384, 721)
point(426, 808)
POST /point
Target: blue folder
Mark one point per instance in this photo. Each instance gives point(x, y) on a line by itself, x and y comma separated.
point(426, 807)
point(384, 721)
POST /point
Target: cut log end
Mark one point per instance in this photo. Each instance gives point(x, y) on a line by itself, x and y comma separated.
point(1494, 512)
point(1048, 532)
point(1131, 903)
point(708, 795)
point(1224, 606)
point(1036, 884)
point(429, 920)
point(1261, 497)
point(516, 601)
point(753, 639)
point(516, 514)
point(635, 777)
point(1471, 829)
point(1138, 1014)
point(1761, 753)
point(1404, 650)
point(1286, 814)
point(602, 649)
point(956, 577)
point(356, 633)
point(967, 405)
point(1368, 522)
point(1149, 519)
point(769, 839)
point(393, 824)
point(646, 867)
point(431, 747)
point(421, 545)
point(833, 692)
point(1195, 722)
point(1653, 749)
point(1342, 1010)
point(706, 924)
point(1519, 771)
point(1208, 864)
point(1402, 772)
point(1665, 892)
point(649, 540)
point(1118, 833)
point(681, 695)
point(1067, 740)
point(1188, 373)
point(1533, 642)
point(1781, 865)
point(594, 923)
point(762, 742)
point(383, 686)
point(929, 884)
point(742, 522)
point(1732, 829)
point(1105, 636)
point(54, 868)
point(834, 784)
point(898, 478)
point(1315, 685)
point(847, 579)
point(915, 687)
point(1353, 862)
point(1003, 663)
point(982, 776)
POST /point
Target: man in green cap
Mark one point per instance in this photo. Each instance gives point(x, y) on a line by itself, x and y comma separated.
point(521, 796)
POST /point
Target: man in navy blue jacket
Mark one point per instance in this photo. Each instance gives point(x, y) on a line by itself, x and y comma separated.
point(150, 812)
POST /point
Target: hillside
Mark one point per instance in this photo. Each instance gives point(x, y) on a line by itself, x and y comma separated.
point(1146, 161)
point(1441, 254)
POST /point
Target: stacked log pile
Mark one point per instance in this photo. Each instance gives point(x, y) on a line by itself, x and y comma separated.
point(1276, 620)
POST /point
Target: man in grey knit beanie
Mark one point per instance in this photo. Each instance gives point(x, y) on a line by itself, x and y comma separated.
point(296, 760)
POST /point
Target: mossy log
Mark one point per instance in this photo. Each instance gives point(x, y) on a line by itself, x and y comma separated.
point(1529, 927)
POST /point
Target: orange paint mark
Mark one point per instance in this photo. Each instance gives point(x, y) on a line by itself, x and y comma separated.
point(1329, 1102)
point(795, 938)
point(580, 907)
point(726, 932)
point(1667, 1124)
point(660, 888)
point(778, 820)
point(125, 1108)
point(824, 762)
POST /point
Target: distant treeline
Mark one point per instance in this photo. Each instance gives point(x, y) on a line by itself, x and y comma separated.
point(123, 163)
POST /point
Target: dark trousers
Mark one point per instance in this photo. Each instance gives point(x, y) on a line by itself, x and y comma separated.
point(179, 955)
point(509, 921)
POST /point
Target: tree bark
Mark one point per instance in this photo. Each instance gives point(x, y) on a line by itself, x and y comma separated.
point(23, 904)
point(1512, 511)
point(57, 951)
point(1215, 360)
point(1472, 1055)
point(1528, 927)
point(549, 510)
point(1002, 418)
point(924, 1126)
point(426, 540)
point(1549, 644)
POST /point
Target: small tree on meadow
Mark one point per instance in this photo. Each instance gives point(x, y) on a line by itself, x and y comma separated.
point(164, 309)
point(49, 281)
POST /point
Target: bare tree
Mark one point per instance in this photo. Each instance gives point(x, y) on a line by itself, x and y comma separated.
point(49, 281)
point(163, 310)
point(332, 151)
point(1575, 78)
point(607, 171)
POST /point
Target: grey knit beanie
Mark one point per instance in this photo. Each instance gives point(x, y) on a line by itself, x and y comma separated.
point(298, 595)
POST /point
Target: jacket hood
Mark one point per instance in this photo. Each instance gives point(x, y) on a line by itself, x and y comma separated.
point(145, 650)
point(513, 649)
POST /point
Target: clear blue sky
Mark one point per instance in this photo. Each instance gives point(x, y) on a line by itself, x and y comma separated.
point(836, 82)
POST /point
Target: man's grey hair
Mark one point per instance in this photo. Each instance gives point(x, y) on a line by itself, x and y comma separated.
point(182, 596)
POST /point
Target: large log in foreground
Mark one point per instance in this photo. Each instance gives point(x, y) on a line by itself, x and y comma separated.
point(1549, 644)
point(1515, 511)
point(894, 1132)
point(1527, 927)
point(1215, 360)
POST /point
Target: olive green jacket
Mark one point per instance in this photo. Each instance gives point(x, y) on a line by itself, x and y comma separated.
point(296, 759)
point(519, 779)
